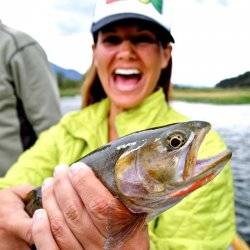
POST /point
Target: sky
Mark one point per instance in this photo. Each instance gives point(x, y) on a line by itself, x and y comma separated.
point(212, 37)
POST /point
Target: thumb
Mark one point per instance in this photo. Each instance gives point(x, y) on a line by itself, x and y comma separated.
point(20, 223)
point(22, 228)
point(22, 191)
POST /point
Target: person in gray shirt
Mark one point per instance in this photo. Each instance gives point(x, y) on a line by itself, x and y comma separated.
point(29, 96)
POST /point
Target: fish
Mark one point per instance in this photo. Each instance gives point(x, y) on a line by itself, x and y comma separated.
point(149, 171)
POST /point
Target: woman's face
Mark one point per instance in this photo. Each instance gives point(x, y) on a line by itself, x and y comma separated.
point(129, 60)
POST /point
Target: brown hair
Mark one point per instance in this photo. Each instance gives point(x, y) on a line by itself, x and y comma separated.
point(92, 90)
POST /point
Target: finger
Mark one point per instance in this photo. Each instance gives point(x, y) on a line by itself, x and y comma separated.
point(74, 211)
point(9, 242)
point(98, 201)
point(41, 232)
point(60, 231)
point(21, 227)
point(16, 220)
point(22, 191)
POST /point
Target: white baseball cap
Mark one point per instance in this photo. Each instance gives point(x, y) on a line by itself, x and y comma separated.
point(109, 11)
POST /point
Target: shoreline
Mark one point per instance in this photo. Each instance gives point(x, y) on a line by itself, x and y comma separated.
point(218, 96)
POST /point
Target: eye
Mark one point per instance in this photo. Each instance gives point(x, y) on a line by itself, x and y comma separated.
point(146, 39)
point(112, 40)
point(175, 141)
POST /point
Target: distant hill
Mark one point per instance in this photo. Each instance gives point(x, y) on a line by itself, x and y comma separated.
point(241, 81)
point(69, 74)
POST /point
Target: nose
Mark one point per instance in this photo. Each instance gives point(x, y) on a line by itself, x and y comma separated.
point(126, 51)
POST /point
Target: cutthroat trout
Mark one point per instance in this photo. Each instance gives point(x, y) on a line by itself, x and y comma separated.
point(151, 170)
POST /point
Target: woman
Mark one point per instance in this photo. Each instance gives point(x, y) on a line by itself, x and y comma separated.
point(126, 89)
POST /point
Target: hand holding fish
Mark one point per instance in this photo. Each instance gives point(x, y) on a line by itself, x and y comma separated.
point(82, 213)
point(15, 235)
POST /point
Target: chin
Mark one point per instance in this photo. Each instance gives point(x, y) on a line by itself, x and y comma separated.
point(127, 103)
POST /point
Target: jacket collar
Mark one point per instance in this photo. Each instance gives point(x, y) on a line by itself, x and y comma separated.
point(91, 123)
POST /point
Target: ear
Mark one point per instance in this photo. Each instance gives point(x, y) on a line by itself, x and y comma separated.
point(166, 55)
point(94, 52)
point(93, 47)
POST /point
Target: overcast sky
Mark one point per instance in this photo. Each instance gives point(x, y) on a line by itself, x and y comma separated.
point(212, 36)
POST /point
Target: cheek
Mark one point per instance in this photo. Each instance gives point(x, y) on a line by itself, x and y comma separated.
point(102, 61)
point(153, 59)
point(98, 60)
point(102, 58)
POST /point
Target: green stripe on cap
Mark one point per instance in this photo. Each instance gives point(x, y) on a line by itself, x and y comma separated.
point(156, 3)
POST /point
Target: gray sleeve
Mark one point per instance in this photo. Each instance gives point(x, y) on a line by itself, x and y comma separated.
point(36, 86)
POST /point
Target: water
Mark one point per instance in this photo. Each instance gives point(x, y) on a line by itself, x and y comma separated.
point(233, 123)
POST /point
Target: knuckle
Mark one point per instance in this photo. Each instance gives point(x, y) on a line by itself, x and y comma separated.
point(71, 213)
point(57, 227)
point(58, 181)
point(28, 235)
point(46, 193)
point(79, 181)
point(100, 207)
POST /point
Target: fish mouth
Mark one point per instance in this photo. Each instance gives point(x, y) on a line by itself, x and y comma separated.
point(196, 172)
point(191, 158)
point(204, 171)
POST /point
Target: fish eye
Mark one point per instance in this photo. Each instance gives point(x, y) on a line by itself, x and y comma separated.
point(175, 141)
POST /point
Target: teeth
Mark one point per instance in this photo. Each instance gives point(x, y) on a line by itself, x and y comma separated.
point(127, 71)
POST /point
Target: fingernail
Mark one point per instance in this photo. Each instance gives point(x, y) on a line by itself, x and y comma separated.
point(39, 214)
point(60, 168)
point(74, 168)
point(48, 182)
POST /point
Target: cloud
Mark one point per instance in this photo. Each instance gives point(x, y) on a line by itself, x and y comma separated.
point(73, 16)
point(224, 2)
point(211, 41)
point(69, 27)
point(61, 27)
point(75, 6)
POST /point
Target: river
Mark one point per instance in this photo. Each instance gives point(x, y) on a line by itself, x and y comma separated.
point(233, 123)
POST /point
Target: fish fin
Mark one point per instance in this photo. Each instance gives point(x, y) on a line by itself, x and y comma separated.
point(122, 224)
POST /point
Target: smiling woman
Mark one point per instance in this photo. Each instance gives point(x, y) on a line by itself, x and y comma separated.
point(126, 90)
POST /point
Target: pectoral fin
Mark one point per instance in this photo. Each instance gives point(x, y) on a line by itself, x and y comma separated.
point(122, 225)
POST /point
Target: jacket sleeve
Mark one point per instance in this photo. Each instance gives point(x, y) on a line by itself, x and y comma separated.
point(60, 144)
point(36, 86)
point(203, 220)
point(36, 163)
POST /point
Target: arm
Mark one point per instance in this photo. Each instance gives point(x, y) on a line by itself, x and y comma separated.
point(35, 85)
point(36, 163)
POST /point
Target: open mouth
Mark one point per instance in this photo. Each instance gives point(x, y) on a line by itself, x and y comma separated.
point(196, 172)
point(126, 79)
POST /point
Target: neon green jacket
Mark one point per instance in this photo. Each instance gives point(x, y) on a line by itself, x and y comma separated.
point(204, 220)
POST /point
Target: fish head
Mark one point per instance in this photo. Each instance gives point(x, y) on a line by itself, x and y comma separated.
point(161, 171)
